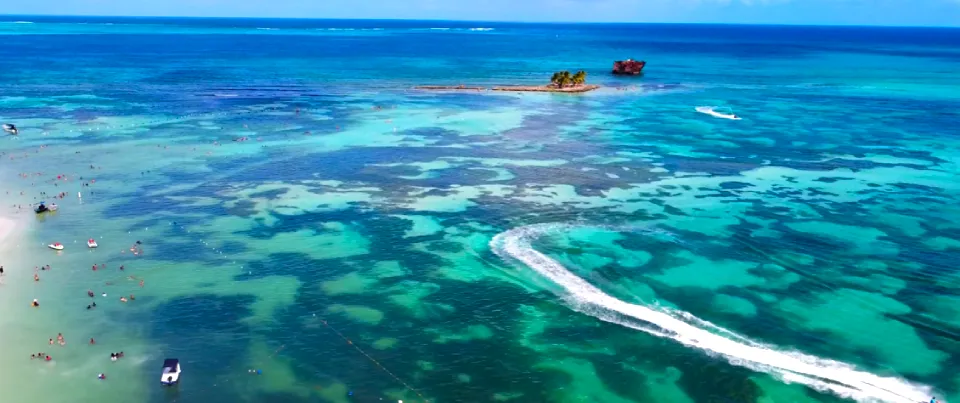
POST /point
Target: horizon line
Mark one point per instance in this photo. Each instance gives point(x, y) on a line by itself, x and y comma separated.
point(3, 15)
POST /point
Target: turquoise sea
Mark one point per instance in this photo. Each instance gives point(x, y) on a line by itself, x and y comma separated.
point(369, 242)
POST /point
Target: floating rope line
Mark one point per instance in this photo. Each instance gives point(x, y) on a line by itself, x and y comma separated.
point(374, 360)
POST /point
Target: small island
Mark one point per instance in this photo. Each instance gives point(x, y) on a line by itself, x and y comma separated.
point(561, 81)
point(628, 67)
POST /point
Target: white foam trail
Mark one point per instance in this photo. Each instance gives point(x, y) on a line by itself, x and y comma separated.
point(709, 110)
point(790, 366)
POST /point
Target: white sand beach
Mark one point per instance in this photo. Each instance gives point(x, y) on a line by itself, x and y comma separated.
point(7, 226)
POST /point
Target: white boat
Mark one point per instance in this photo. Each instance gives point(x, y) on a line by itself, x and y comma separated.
point(709, 110)
point(10, 128)
point(171, 372)
point(91, 243)
point(56, 246)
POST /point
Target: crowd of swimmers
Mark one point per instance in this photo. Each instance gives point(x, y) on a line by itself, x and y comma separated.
point(136, 248)
point(60, 339)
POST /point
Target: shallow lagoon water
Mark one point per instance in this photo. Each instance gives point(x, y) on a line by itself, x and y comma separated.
point(345, 250)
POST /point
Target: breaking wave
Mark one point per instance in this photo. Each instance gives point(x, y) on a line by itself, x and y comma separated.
point(790, 366)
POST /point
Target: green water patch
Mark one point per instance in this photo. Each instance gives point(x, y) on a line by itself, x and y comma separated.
point(480, 123)
point(359, 314)
point(455, 199)
point(472, 332)
point(414, 295)
point(276, 374)
point(865, 239)
point(422, 225)
point(268, 199)
point(501, 162)
point(862, 320)
point(388, 269)
point(385, 343)
point(328, 240)
point(659, 384)
point(702, 272)
point(584, 385)
point(942, 243)
point(735, 305)
point(882, 283)
point(500, 174)
point(351, 283)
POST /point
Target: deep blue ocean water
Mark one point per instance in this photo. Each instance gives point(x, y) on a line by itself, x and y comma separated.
point(823, 223)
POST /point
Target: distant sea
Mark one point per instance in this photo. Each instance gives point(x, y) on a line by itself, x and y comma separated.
point(312, 228)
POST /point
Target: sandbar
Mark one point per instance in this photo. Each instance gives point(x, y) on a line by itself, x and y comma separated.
point(511, 88)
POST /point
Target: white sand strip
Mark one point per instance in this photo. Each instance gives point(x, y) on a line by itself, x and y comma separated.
point(6, 229)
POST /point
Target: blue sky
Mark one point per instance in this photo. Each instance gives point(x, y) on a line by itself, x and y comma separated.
point(856, 12)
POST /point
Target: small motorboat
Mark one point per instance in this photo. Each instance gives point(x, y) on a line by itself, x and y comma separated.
point(43, 208)
point(10, 128)
point(91, 243)
point(56, 246)
point(171, 372)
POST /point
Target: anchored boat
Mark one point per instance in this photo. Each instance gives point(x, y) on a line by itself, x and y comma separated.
point(91, 243)
point(56, 246)
point(43, 208)
point(171, 372)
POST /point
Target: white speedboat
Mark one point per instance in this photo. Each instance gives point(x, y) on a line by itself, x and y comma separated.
point(10, 128)
point(56, 246)
point(171, 372)
point(709, 110)
point(91, 243)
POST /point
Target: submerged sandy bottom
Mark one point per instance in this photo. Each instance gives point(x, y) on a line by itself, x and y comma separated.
point(353, 262)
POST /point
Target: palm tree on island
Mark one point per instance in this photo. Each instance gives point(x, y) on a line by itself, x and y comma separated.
point(561, 81)
point(563, 78)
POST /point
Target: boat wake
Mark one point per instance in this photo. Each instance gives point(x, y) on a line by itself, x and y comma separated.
point(710, 110)
point(790, 366)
